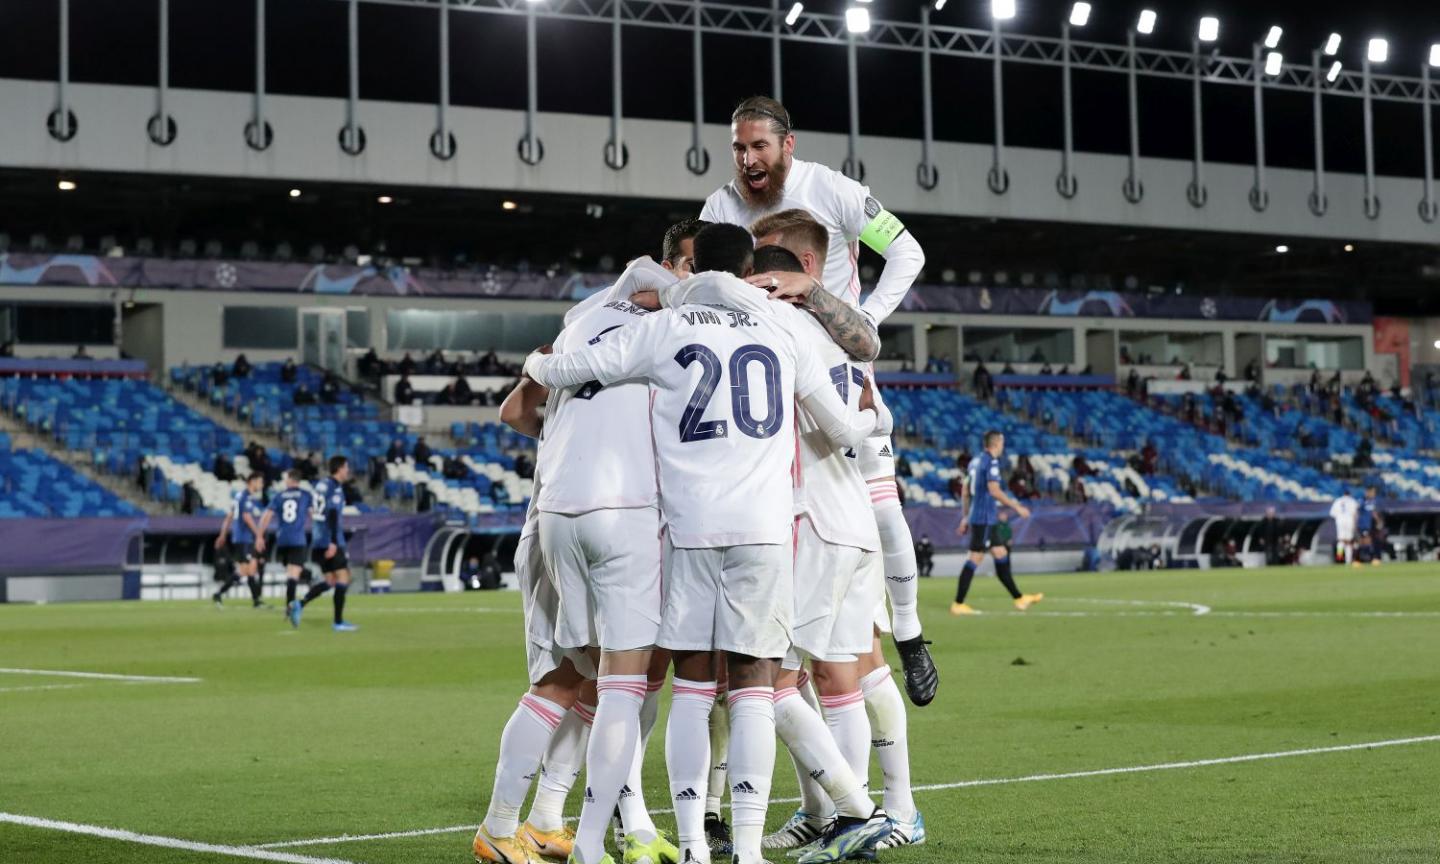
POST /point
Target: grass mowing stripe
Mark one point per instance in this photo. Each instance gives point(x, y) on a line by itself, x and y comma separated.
point(40, 687)
point(938, 787)
point(103, 676)
point(165, 842)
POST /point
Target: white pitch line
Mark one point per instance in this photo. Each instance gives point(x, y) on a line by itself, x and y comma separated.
point(1196, 608)
point(936, 787)
point(40, 687)
point(103, 676)
point(165, 842)
point(440, 610)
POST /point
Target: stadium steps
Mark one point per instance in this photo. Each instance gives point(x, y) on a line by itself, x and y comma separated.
point(202, 406)
point(22, 438)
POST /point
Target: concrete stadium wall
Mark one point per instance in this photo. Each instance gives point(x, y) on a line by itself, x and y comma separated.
point(111, 137)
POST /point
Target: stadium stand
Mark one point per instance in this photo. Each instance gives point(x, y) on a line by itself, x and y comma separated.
point(36, 484)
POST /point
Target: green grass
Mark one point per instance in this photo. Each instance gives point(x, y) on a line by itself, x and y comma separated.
point(393, 728)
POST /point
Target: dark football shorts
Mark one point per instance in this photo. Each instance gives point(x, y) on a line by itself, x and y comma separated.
point(979, 538)
point(332, 564)
point(291, 556)
point(242, 553)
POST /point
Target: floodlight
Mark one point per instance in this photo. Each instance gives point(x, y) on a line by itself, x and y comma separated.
point(508, 205)
point(66, 185)
point(1274, 61)
point(1435, 55)
point(794, 14)
point(1282, 249)
point(1349, 247)
point(1334, 72)
point(939, 4)
point(1146, 24)
point(1332, 45)
point(1002, 10)
point(857, 19)
point(1379, 51)
point(294, 193)
point(1079, 14)
point(384, 199)
point(1209, 28)
point(1272, 39)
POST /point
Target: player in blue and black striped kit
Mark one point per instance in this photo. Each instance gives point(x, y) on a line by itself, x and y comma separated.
point(240, 529)
point(291, 508)
point(983, 495)
point(327, 545)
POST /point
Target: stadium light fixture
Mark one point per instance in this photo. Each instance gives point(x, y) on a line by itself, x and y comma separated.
point(939, 4)
point(1080, 14)
point(294, 193)
point(384, 199)
point(1209, 29)
point(1274, 62)
point(1435, 55)
point(508, 205)
point(66, 185)
point(794, 14)
point(1146, 25)
point(1002, 10)
point(1332, 45)
point(1272, 39)
point(1378, 52)
point(1349, 247)
point(857, 19)
point(1282, 249)
point(1334, 72)
point(1437, 344)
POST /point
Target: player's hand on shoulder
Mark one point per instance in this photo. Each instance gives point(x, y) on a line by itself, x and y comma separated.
point(790, 287)
point(646, 299)
point(538, 352)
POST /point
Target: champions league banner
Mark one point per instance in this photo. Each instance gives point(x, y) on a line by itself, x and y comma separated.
point(344, 279)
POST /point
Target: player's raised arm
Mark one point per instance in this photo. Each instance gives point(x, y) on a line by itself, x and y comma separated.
point(521, 408)
point(879, 229)
point(629, 353)
point(851, 329)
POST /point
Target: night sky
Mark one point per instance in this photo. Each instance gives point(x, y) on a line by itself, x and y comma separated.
point(115, 41)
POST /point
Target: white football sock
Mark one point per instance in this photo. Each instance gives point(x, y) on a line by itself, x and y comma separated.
point(752, 762)
point(845, 715)
point(812, 746)
point(898, 547)
point(608, 758)
point(719, 750)
point(890, 739)
point(634, 815)
point(687, 758)
point(522, 743)
point(813, 800)
point(564, 759)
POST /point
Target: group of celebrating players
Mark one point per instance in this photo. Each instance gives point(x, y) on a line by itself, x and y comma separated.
point(715, 492)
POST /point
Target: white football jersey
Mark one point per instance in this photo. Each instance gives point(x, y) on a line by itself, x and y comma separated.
point(843, 206)
point(830, 487)
point(595, 450)
point(726, 370)
point(1344, 510)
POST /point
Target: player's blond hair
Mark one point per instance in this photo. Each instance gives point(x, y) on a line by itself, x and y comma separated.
point(797, 228)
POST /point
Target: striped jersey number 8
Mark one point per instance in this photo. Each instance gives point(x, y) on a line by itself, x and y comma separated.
point(289, 510)
point(693, 428)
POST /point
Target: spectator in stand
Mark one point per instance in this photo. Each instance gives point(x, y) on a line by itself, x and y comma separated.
point(963, 460)
point(1269, 536)
point(80, 353)
point(404, 391)
point(932, 365)
point(1079, 467)
point(310, 466)
point(1008, 370)
point(1018, 487)
point(289, 372)
point(1064, 370)
point(490, 364)
point(1046, 370)
point(242, 367)
point(947, 365)
point(1149, 458)
point(498, 496)
point(461, 394)
point(1125, 354)
point(446, 396)
point(407, 364)
point(470, 573)
point(330, 389)
point(1131, 489)
point(982, 383)
point(1220, 376)
point(1132, 384)
point(369, 365)
point(524, 466)
point(1025, 469)
point(454, 468)
point(1037, 356)
point(1075, 493)
point(219, 374)
point(1252, 371)
point(396, 453)
point(223, 468)
point(924, 556)
point(422, 453)
point(1184, 370)
point(8, 349)
point(303, 396)
point(902, 466)
point(957, 487)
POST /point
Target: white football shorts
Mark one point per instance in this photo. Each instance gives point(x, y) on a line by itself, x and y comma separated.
point(729, 598)
point(542, 608)
point(606, 567)
point(836, 591)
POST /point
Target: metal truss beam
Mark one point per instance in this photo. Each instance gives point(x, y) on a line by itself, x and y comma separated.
point(730, 20)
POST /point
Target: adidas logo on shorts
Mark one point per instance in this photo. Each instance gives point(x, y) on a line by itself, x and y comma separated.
point(687, 795)
point(885, 451)
point(743, 788)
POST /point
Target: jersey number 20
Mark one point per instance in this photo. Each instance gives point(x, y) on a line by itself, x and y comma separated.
point(693, 428)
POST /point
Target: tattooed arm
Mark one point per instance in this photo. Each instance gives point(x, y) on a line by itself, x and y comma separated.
point(849, 327)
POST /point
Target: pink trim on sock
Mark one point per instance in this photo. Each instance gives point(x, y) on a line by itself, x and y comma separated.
point(678, 689)
point(540, 711)
point(874, 679)
point(843, 700)
point(654, 686)
point(804, 679)
point(766, 693)
point(586, 713)
point(785, 693)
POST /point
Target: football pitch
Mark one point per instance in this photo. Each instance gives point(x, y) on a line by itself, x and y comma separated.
point(1280, 715)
